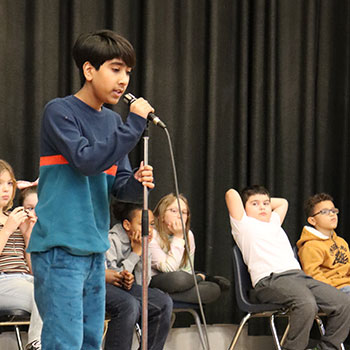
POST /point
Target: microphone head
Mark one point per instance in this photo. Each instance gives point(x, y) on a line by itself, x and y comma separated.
point(129, 98)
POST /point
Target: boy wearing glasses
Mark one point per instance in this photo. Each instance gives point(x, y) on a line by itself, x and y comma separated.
point(256, 221)
point(323, 254)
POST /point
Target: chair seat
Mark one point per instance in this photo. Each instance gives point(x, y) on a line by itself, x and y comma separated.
point(184, 305)
point(9, 317)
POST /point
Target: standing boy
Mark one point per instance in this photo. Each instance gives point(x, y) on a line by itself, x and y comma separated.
point(256, 221)
point(324, 255)
point(83, 160)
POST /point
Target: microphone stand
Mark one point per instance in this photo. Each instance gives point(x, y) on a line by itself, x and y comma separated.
point(145, 228)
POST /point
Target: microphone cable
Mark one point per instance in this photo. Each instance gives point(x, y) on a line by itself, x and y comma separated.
point(129, 99)
point(205, 346)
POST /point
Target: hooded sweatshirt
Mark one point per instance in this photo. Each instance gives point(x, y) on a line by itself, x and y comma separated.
point(324, 258)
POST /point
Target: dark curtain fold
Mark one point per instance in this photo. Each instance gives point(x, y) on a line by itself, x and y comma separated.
point(251, 91)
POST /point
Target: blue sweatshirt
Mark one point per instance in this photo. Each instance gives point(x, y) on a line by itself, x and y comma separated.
point(83, 160)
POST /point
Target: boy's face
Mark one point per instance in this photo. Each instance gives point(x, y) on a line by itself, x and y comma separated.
point(135, 225)
point(258, 206)
point(30, 202)
point(110, 81)
point(324, 222)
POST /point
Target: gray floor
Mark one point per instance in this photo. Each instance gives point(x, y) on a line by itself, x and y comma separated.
point(220, 337)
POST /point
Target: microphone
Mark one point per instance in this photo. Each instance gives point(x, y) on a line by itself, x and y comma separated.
point(130, 98)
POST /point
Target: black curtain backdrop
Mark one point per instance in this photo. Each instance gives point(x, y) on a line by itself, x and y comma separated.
point(253, 92)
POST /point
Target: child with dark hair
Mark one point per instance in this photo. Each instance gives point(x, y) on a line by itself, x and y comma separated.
point(84, 150)
point(124, 279)
point(276, 274)
point(322, 253)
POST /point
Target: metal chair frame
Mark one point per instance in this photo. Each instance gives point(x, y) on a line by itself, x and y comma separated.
point(191, 308)
point(15, 318)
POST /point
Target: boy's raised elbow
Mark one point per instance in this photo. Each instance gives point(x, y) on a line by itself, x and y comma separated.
point(234, 204)
point(231, 193)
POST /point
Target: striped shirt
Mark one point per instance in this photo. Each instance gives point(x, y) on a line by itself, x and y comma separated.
point(12, 259)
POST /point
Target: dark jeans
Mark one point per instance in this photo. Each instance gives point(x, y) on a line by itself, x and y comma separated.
point(125, 310)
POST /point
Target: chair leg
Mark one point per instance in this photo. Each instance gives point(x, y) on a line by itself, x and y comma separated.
point(173, 318)
point(274, 332)
point(204, 340)
point(18, 337)
point(322, 329)
point(138, 332)
point(320, 325)
point(239, 331)
point(285, 333)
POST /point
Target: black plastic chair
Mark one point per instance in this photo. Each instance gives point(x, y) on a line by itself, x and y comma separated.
point(15, 318)
point(253, 310)
point(191, 308)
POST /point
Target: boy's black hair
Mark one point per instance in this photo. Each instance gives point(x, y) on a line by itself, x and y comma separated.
point(125, 211)
point(251, 191)
point(311, 202)
point(26, 192)
point(98, 47)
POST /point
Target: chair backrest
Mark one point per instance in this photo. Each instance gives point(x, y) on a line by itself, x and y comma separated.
point(242, 280)
point(295, 251)
point(243, 286)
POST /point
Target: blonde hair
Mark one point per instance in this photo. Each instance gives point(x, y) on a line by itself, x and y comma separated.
point(6, 166)
point(159, 212)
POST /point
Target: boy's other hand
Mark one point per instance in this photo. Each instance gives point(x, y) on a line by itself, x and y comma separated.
point(114, 277)
point(145, 175)
point(141, 107)
point(128, 279)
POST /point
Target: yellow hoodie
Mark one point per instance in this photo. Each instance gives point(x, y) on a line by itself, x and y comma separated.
point(324, 258)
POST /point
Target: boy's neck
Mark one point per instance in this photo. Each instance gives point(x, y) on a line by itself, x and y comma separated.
point(326, 232)
point(85, 95)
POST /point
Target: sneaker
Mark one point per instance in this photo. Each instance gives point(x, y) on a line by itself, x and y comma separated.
point(34, 345)
point(223, 282)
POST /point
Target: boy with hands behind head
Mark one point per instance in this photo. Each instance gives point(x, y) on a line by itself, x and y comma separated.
point(256, 221)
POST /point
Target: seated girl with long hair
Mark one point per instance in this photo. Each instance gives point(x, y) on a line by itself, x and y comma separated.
point(171, 270)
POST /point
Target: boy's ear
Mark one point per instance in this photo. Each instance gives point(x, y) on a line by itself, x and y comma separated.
point(88, 69)
point(311, 220)
point(126, 225)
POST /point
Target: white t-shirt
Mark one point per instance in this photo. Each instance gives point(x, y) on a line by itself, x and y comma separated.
point(264, 245)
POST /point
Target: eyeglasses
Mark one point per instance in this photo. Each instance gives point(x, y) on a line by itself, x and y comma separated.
point(175, 211)
point(327, 211)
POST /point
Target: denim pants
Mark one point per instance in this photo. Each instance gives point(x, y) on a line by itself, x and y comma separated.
point(17, 292)
point(70, 295)
point(305, 297)
point(125, 310)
